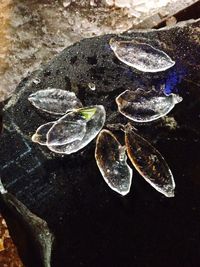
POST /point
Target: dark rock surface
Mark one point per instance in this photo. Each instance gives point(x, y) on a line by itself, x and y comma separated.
point(93, 226)
point(31, 234)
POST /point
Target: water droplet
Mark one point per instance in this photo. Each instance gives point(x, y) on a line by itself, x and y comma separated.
point(66, 3)
point(36, 81)
point(2, 188)
point(92, 86)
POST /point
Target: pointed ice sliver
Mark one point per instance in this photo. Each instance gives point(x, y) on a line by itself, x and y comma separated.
point(142, 106)
point(141, 56)
point(55, 101)
point(95, 117)
point(149, 163)
point(111, 159)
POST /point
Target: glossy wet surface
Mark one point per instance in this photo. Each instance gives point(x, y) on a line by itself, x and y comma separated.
point(34, 31)
point(93, 226)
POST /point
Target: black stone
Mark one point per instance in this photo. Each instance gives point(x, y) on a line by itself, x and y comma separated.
point(30, 233)
point(93, 226)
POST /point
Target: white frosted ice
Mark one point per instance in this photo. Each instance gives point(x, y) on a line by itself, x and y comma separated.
point(55, 101)
point(141, 56)
point(144, 106)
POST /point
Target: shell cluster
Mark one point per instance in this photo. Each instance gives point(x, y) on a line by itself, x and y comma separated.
point(77, 126)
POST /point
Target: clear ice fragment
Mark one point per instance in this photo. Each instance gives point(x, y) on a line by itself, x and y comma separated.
point(66, 130)
point(141, 56)
point(112, 162)
point(55, 101)
point(149, 163)
point(143, 106)
point(93, 127)
point(40, 135)
point(2, 188)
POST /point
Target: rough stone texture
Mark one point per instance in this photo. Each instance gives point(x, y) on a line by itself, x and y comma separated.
point(93, 226)
point(8, 252)
point(34, 31)
point(34, 240)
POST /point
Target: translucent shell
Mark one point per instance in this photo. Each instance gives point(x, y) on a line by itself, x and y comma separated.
point(149, 163)
point(55, 101)
point(40, 135)
point(64, 132)
point(95, 122)
point(111, 159)
point(141, 56)
point(142, 106)
point(69, 128)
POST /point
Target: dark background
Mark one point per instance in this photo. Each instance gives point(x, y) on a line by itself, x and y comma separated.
point(93, 226)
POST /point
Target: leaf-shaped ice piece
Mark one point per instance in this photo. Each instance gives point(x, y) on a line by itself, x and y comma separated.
point(55, 101)
point(141, 106)
point(66, 130)
point(93, 127)
point(149, 163)
point(41, 133)
point(112, 162)
point(141, 56)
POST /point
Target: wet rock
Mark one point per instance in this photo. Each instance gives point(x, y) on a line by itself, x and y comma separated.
point(8, 251)
point(92, 224)
point(33, 32)
point(30, 233)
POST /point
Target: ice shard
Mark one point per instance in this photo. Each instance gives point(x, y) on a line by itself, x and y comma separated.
point(141, 106)
point(55, 101)
point(95, 117)
point(141, 56)
point(149, 163)
point(112, 162)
